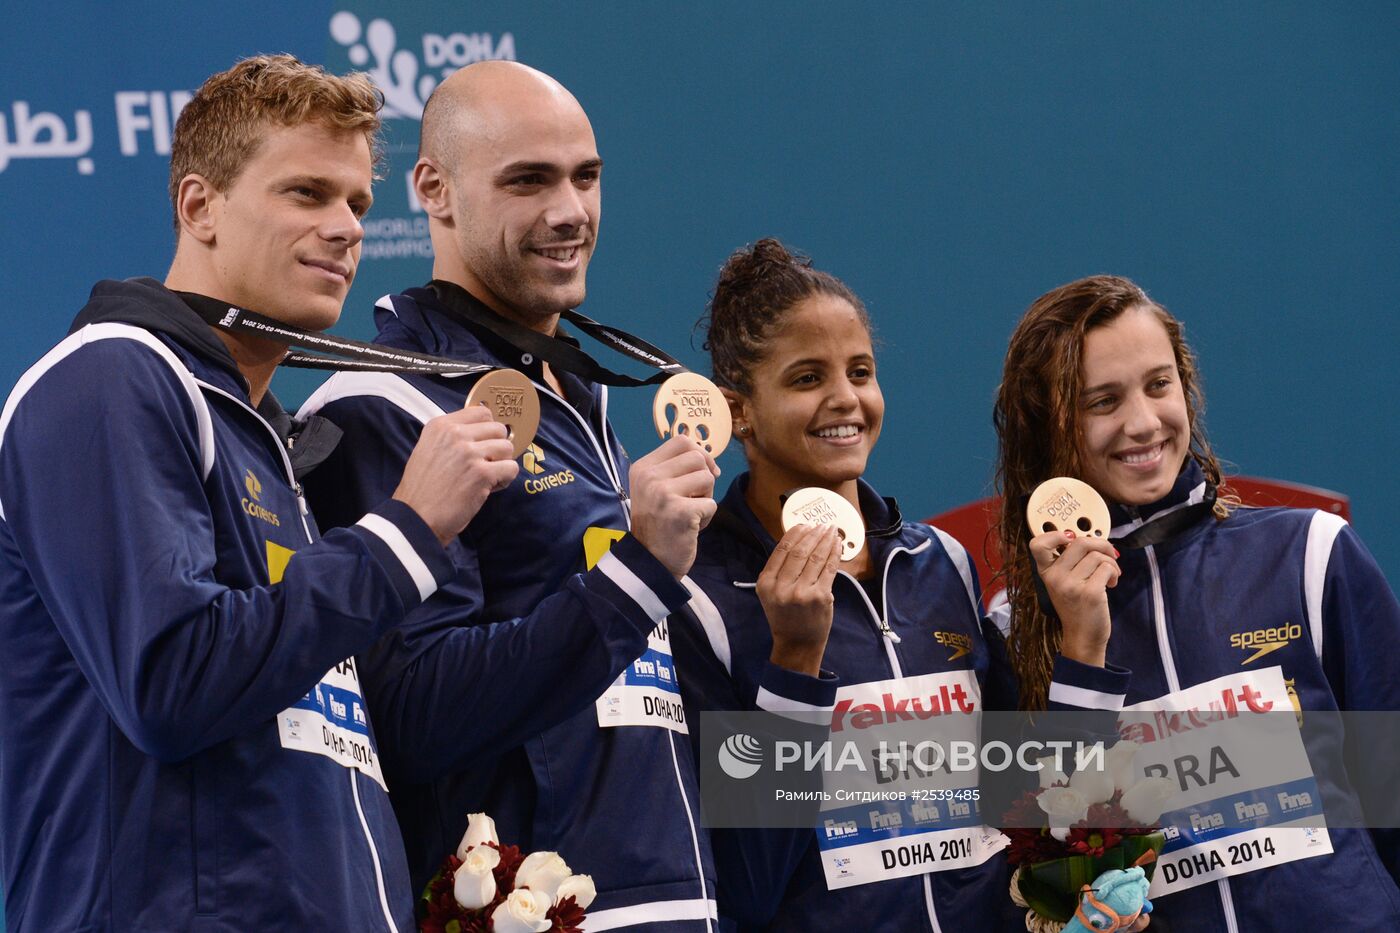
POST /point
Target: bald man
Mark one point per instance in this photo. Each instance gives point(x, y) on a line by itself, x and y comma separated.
point(509, 175)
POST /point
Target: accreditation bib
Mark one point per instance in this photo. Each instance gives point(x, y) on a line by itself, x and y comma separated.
point(1248, 797)
point(332, 720)
point(904, 814)
point(646, 692)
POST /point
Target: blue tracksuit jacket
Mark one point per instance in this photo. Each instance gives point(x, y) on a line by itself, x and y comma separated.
point(930, 622)
point(1180, 612)
point(183, 742)
point(616, 801)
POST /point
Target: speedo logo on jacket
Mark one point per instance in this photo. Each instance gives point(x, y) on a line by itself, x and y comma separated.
point(532, 461)
point(1265, 640)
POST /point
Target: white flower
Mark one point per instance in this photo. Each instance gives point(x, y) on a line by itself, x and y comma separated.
point(480, 828)
point(1049, 774)
point(579, 887)
point(1119, 760)
point(1146, 799)
point(1065, 807)
point(522, 912)
point(473, 884)
point(542, 872)
point(1095, 784)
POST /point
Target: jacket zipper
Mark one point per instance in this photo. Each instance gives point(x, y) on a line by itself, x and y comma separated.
point(306, 529)
point(890, 639)
point(610, 466)
point(605, 458)
point(1159, 610)
point(292, 484)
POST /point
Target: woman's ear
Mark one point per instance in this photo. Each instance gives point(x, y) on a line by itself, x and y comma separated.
point(738, 413)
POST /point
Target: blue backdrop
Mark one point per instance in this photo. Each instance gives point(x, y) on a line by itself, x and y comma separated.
point(949, 161)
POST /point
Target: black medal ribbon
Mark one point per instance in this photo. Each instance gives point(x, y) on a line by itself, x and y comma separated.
point(557, 353)
point(347, 354)
point(1159, 530)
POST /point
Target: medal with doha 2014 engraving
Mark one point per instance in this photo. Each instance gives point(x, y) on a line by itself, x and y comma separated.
point(1067, 504)
point(692, 405)
point(813, 505)
point(513, 401)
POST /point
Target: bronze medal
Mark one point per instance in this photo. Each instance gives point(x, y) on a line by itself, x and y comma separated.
point(692, 405)
point(1068, 504)
point(813, 505)
point(512, 400)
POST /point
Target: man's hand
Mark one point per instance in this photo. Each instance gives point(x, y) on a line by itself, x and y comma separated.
point(460, 459)
point(672, 500)
point(1078, 572)
point(795, 590)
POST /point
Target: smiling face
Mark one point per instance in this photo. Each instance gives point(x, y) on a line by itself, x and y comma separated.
point(1134, 427)
point(815, 409)
point(525, 196)
point(287, 233)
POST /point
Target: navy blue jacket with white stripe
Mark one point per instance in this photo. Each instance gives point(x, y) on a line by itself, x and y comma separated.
point(931, 622)
point(1175, 612)
point(183, 745)
point(619, 803)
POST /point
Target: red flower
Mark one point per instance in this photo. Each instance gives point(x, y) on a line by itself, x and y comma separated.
point(1086, 841)
point(1103, 827)
point(566, 916)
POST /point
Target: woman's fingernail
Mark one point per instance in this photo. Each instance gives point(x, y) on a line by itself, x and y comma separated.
point(1069, 534)
point(1115, 553)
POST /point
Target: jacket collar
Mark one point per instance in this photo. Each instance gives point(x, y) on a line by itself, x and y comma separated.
point(426, 323)
point(1188, 490)
point(146, 303)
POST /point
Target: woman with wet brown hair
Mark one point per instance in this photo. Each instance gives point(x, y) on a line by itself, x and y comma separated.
point(1100, 385)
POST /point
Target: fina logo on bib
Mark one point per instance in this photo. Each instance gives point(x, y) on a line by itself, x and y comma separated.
point(741, 756)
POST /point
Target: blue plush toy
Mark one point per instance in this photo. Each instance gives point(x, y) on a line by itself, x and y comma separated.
point(1117, 900)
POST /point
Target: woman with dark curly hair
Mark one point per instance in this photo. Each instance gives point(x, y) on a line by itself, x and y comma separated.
point(1100, 385)
point(778, 615)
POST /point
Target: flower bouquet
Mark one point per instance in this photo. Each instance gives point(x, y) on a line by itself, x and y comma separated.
point(1074, 840)
point(486, 887)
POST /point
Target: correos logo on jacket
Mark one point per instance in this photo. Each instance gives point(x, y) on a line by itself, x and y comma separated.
point(532, 461)
point(250, 501)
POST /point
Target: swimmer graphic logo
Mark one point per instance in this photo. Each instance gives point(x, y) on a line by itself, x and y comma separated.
point(395, 71)
point(741, 756)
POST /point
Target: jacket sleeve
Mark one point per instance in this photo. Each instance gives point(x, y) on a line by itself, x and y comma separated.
point(753, 865)
point(446, 688)
point(103, 476)
point(1354, 613)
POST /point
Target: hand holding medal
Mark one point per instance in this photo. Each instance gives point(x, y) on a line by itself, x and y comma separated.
point(1069, 523)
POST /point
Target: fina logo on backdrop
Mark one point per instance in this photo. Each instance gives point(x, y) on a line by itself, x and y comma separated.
point(406, 80)
point(395, 71)
point(146, 118)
